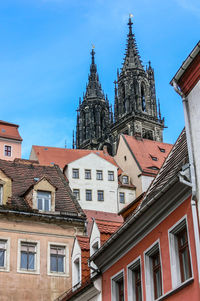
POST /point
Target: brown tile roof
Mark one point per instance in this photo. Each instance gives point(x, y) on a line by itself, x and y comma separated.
point(26, 175)
point(9, 130)
point(62, 156)
point(148, 154)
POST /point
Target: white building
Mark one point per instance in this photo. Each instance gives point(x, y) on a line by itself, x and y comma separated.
point(94, 177)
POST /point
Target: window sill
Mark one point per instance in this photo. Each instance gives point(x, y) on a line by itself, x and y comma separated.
point(55, 274)
point(4, 269)
point(177, 289)
point(32, 272)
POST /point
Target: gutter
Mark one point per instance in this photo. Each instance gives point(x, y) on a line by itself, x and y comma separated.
point(194, 206)
point(60, 218)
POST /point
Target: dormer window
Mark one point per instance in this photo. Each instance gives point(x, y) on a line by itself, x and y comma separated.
point(1, 194)
point(77, 276)
point(7, 150)
point(125, 179)
point(154, 158)
point(162, 150)
point(44, 200)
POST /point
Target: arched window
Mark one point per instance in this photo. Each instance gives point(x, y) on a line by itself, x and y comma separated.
point(143, 99)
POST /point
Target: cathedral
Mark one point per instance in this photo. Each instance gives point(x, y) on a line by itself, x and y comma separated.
point(135, 105)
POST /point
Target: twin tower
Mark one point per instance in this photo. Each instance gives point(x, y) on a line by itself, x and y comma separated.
point(135, 105)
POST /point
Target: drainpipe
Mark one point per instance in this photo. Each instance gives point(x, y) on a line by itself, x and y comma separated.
point(192, 171)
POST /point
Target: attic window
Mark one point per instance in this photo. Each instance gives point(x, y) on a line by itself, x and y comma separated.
point(125, 179)
point(3, 130)
point(44, 200)
point(46, 148)
point(154, 167)
point(154, 158)
point(162, 150)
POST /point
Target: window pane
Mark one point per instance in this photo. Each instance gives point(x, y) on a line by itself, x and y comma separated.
point(31, 261)
point(39, 204)
point(60, 264)
point(53, 263)
point(158, 284)
point(46, 208)
point(185, 260)
point(24, 260)
point(2, 253)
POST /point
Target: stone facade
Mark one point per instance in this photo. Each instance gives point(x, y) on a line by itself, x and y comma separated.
point(135, 106)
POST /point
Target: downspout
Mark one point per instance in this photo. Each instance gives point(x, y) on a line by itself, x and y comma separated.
point(192, 171)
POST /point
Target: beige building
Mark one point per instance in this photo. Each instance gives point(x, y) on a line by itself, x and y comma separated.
point(141, 159)
point(39, 218)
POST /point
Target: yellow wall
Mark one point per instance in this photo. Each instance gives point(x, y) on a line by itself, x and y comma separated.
point(7, 187)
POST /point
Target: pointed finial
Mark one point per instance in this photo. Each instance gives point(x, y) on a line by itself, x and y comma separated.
point(130, 23)
point(73, 143)
point(93, 68)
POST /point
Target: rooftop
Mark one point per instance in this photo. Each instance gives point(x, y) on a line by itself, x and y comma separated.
point(9, 131)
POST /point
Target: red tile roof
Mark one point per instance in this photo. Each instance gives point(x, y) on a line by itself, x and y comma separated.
point(107, 228)
point(100, 215)
point(144, 150)
point(62, 156)
point(84, 244)
point(9, 131)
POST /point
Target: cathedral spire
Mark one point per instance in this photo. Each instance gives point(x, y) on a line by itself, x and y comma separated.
point(93, 88)
point(132, 57)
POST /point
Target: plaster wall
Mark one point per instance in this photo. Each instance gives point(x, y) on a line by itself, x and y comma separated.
point(146, 182)
point(126, 161)
point(194, 115)
point(20, 285)
point(160, 232)
point(94, 163)
point(15, 149)
point(130, 195)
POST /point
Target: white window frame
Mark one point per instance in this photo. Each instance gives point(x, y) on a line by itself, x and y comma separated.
point(131, 278)
point(174, 252)
point(10, 151)
point(90, 172)
point(99, 171)
point(121, 192)
point(66, 260)
point(86, 195)
point(111, 173)
point(100, 191)
point(1, 194)
point(6, 267)
point(43, 200)
point(78, 190)
point(114, 280)
point(77, 169)
point(149, 281)
point(37, 256)
point(126, 181)
point(75, 282)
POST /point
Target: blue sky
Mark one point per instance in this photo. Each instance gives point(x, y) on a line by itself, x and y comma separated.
point(45, 57)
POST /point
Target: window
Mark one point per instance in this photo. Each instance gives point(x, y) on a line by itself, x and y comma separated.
point(44, 200)
point(76, 193)
point(154, 158)
point(122, 197)
point(118, 287)
point(110, 175)
point(157, 281)
point(153, 272)
point(77, 272)
point(162, 150)
point(28, 254)
point(99, 175)
point(1, 194)
point(100, 194)
point(75, 173)
point(88, 174)
point(125, 179)
point(57, 259)
point(134, 281)
point(179, 254)
point(3, 244)
point(7, 150)
point(88, 195)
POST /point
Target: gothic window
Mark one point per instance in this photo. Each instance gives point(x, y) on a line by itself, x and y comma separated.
point(143, 99)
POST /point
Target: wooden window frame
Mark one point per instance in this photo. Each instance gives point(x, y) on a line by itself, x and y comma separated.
point(7, 150)
point(156, 269)
point(181, 249)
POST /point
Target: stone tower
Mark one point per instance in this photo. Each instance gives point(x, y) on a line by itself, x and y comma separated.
point(94, 116)
point(135, 107)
